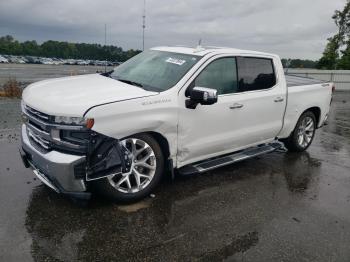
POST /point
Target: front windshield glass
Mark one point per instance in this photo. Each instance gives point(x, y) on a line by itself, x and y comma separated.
point(155, 70)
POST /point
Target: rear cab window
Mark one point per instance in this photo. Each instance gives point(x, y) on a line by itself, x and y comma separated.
point(255, 73)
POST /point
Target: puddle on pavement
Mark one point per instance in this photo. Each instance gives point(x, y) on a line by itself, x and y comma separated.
point(238, 244)
point(299, 170)
point(135, 207)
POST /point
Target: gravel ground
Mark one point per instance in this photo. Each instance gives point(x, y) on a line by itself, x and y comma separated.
point(276, 207)
point(28, 73)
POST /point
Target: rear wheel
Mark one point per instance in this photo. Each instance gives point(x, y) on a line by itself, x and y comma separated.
point(303, 134)
point(145, 172)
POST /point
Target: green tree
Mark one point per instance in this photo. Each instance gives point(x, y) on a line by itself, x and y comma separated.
point(10, 46)
point(30, 48)
point(333, 57)
point(330, 56)
point(298, 63)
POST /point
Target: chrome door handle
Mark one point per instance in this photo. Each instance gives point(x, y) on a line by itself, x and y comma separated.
point(236, 105)
point(279, 99)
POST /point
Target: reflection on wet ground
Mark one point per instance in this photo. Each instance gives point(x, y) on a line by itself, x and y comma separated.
point(277, 207)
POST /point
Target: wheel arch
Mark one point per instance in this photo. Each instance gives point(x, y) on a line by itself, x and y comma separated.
point(165, 147)
point(161, 140)
point(316, 111)
point(163, 143)
point(288, 129)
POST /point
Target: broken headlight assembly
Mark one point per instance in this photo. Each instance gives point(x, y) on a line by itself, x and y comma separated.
point(104, 155)
point(71, 140)
point(77, 121)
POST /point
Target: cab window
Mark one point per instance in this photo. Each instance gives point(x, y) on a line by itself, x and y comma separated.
point(221, 75)
point(255, 73)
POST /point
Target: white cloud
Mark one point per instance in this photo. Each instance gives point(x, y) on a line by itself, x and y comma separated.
point(290, 28)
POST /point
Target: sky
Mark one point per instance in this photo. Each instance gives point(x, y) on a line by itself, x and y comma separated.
point(289, 28)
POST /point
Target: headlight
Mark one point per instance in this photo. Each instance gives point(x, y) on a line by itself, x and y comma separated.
point(79, 121)
point(70, 120)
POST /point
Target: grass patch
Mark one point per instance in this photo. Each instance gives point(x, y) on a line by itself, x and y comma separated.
point(11, 88)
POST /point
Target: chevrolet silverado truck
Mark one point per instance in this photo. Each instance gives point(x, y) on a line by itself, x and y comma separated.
point(167, 109)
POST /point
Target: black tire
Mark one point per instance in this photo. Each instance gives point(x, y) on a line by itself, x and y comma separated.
point(104, 187)
point(291, 143)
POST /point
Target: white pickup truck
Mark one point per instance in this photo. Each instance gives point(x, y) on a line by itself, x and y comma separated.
point(168, 108)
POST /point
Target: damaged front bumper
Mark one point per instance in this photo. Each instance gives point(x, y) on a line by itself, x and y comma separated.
point(69, 173)
point(55, 169)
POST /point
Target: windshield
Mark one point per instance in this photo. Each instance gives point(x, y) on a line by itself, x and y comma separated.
point(155, 70)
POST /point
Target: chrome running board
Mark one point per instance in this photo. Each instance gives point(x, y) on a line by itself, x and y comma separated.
point(209, 164)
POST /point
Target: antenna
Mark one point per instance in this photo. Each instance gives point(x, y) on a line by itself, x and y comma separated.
point(199, 47)
point(143, 25)
point(106, 47)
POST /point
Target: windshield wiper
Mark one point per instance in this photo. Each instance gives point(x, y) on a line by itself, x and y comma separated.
point(107, 74)
point(130, 82)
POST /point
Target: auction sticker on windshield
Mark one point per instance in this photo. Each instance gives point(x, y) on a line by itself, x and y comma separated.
point(175, 61)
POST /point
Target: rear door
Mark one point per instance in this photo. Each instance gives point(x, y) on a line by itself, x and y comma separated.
point(262, 94)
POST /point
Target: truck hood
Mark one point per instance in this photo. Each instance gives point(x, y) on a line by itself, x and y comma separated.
point(74, 95)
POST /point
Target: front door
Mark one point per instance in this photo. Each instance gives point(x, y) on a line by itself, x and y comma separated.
point(246, 113)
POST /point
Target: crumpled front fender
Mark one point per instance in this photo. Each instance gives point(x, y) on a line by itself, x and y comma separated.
point(106, 156)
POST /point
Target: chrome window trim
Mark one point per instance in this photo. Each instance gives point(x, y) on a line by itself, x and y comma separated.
point(212, 58)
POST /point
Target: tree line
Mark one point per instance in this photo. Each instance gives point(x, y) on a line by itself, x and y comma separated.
point(65, 50)
point(298, 63)
point(337, 52)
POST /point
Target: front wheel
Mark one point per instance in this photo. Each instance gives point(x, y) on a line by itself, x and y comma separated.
point(145, 172)
point(303, 134)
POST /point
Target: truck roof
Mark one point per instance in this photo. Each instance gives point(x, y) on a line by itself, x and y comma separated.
point(204, 50)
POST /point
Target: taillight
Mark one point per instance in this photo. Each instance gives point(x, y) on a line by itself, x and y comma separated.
point(333, 88)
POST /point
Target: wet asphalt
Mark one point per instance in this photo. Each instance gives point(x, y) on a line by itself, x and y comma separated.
point(277, 207)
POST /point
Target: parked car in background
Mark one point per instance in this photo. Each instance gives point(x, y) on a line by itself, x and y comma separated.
point(53, 61)
point(33, 60)
point(3, 59)
point(15, 59)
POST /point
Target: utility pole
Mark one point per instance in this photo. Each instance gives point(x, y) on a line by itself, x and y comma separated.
point(143, 25)
point(106, 47)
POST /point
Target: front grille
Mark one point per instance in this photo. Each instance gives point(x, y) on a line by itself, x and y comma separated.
point(36, 114)
point(38, 129)
point(37, 138)
point(40, 126)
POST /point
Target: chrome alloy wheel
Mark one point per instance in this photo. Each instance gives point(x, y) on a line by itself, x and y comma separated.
point(142, 169)
point(306, 132)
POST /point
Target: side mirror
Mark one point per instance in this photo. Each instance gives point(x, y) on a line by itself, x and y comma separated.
point(201, 95)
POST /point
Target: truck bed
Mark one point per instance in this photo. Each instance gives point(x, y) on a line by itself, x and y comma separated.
point(293, 80)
